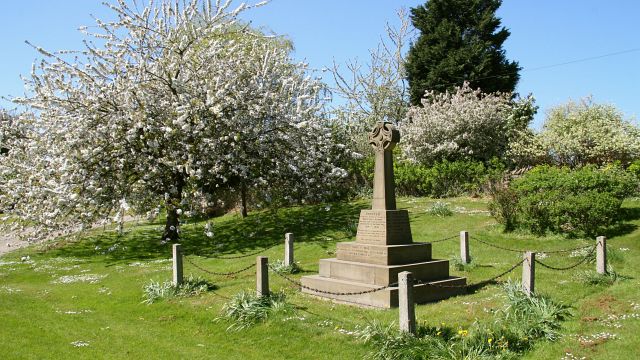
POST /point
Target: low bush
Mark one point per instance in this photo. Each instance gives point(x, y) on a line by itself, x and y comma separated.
point(441, 179)
point(581, 202)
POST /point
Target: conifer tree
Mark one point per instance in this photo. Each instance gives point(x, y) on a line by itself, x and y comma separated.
point(460, 40)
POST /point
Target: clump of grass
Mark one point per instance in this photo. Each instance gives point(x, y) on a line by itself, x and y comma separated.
point(458, 264)
point(535, 316)
point(155, 291)
point(247, 308)
point(389, 343)
point(524, 320)
point(440, 209)
point(591, 277)
point(280, 267)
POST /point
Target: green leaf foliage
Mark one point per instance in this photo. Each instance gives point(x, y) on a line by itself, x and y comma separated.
point(445, 178)
point(460, 40)
point(584, 202)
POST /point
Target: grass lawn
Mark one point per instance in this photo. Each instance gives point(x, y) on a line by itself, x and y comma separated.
point(82, 299)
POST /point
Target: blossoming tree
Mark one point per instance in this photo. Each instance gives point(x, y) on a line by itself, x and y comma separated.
point(464, 124)
point(580, 133)
point(163, 106)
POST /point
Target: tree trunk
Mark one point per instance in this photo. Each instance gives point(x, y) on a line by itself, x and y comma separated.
point(243, 201)
point(173, 221)
point(171, 228)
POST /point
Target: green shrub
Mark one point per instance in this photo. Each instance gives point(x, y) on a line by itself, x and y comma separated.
point(504, 203)
point(634, 168)
point(443, 179)
point(412, 179)
point(559, 200)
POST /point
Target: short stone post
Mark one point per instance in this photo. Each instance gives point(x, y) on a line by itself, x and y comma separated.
point(288, 249)
point(262, 276)
point(177, 265)
point(601, 255)
point(464, 247)
point(529, 272)
point(405, 302)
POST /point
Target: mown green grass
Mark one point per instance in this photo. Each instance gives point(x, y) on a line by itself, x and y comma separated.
point(41, 318)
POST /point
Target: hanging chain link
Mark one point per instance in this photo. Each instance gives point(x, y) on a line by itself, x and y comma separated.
point(524, 250)
point(477, 283)
point(243, 255)
point(585, 258)
point(439, 240)
point(298, 283)
point(218, 273)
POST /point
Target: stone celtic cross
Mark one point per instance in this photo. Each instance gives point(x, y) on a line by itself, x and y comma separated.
point(383, 138)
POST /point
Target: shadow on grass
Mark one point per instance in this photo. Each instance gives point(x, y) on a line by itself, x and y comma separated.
point(322, 224)
point(619, 229)
point(629, 213)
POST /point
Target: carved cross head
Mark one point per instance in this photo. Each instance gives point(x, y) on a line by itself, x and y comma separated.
point(384, 136)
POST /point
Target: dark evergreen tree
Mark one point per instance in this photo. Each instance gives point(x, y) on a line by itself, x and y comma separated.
point(460, 40)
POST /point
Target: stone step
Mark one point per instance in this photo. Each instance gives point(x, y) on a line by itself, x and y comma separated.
point(383, 254)
point(387, 298)
point(379, 275)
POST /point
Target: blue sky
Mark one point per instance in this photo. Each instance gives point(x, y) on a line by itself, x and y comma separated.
point(543, 33)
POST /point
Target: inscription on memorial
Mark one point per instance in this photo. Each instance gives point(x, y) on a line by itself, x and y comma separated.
point(384, 227)
point(363, 251)
point(372, 227)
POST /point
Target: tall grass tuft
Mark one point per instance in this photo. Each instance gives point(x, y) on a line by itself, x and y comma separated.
point(523, 320)
point(246, 308)
point(155, 291)
point(280, 267)
point(591, 277)
point(440, 209)
point(535, 316)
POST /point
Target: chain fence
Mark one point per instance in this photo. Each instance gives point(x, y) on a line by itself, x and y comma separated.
point(334, 293)
point(584, 259)
point(440, 240)
point(475, 238)
point(231, 273)
point(476, 283)
point(231, 257)
point(300, 285)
